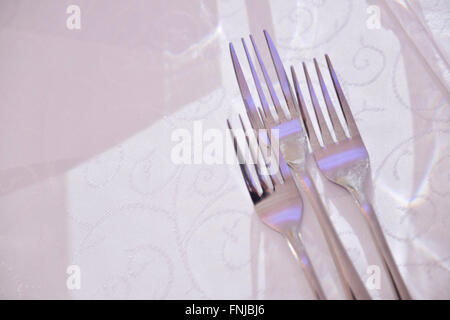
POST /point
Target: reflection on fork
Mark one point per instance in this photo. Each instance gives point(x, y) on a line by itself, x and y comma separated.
point(279, 205)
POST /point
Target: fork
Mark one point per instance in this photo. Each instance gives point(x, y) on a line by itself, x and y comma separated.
point(279, 205)
point(294, 148)
point(346, 160)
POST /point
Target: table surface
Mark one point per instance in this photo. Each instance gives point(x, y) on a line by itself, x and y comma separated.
point(87, 117)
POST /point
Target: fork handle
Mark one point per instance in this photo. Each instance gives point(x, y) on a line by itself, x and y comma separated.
point(353, 285)
point(399, 286)
point(296, 244)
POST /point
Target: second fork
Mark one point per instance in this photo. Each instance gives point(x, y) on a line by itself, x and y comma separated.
point(346, 161)
point(278, 204)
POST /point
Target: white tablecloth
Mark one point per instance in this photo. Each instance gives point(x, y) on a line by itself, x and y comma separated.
point(85, 143)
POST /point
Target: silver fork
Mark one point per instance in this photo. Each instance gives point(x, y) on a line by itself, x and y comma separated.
point(294, 148)
point(279, 205)
point(346, 161)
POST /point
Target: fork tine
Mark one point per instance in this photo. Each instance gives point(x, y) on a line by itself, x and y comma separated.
point(245, 91)
point(262, 97)
point(313, 141)
point(338, 130)
point(269, 84)
point(326, 136)
point(281, 74)
point(282, 170)
point(266, 183)
point(352, 128)
point(272, 147)
point(253, 190)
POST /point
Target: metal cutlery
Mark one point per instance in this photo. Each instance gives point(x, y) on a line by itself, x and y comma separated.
point(279, 205)
point(346, 161)
point(294, 149)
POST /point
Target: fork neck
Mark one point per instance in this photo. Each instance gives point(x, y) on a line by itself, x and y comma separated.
point(361, 187)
